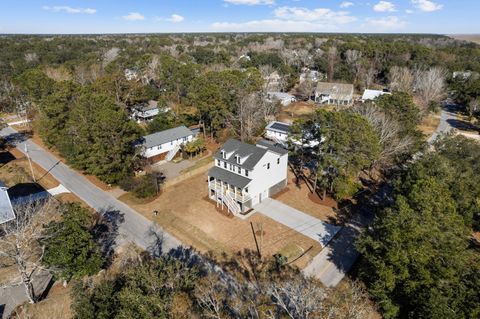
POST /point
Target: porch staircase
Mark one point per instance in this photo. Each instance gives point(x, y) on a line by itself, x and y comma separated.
point(232, 205)
point(172, 152)
point(277, 141)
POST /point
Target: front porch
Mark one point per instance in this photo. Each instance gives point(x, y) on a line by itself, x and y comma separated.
point(233, 198)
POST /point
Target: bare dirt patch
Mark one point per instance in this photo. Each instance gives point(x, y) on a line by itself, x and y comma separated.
point(467, 37)
point(184, 211)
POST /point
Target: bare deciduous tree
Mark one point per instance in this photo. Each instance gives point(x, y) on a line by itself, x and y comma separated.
point(251, 110)
point(306, 88)
point(332, 58)
point(353, 58)
point(473, 107)
point(20, 242)
point(388, 132)
point(369, 76)
point(430, 84)
point(401, 79)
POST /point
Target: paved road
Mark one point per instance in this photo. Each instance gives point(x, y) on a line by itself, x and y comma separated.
point(305, 224)
point(444, 125)
point(134, 228)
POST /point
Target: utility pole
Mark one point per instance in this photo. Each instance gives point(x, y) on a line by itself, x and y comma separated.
point(30, 162)
point(256, 242)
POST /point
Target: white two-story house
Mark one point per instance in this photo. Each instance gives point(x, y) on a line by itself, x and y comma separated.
point(245, 174)
point(165, 145)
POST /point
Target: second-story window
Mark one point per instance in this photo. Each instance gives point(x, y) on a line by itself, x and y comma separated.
point(238, 159)
point(219, 162)
point(246, 173)
point(231, 167)
point(268, 165)
point(223, 154)
point(278, 160)
point(239, 170)
point(225, 165)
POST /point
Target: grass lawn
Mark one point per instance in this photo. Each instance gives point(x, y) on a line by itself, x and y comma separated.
point(186, 213)
point(201, 162)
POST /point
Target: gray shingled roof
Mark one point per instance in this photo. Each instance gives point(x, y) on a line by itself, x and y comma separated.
point(252, 152)
point(6, 210)
point(229, 177)
point(337, 91)
point(166, 136)
point(271, 147)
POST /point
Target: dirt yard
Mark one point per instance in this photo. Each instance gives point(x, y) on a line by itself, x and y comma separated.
point(296, 110)
point(185, 211)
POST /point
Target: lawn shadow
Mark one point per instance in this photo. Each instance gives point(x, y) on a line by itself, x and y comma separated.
point(6, 157)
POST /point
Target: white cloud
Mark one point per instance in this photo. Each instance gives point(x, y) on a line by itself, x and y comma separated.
point(384, 6)
point(292, 19)
point(134, 16)
point(386, 23)
point(427, 5)
point(68, 9)
point(319, 15)
point(409, 11)
point(251, 2)
point(346, 4)
point(272, 25)
point(176, 18)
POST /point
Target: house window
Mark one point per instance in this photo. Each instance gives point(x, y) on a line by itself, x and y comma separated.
point(238, 159)
point(223, 154)
point(278, 160)
point(219, 163)
point(239, 170)
point(231, 167)
point(246, 189)
point(225, 165)
point(268, 165)
point(184, 139)
point(171, 143)
point(246, 173)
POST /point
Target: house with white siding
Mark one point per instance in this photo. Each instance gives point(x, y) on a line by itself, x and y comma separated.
point(165, 145)
point(370, 95)
point(278, 132)
point(334, 93)
point(245, 174)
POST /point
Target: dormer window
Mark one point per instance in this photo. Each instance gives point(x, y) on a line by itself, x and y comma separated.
point(224, 155)
point(237, 157)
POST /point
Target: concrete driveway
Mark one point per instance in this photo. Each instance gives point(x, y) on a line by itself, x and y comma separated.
point(299, 221)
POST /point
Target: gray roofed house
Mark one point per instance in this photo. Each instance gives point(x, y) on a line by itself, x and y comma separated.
point(334, 93)
point(244, 174)
point(165, 145)
point(272, 146)
point(6, 209)
point(166, 136)
point(250, 153)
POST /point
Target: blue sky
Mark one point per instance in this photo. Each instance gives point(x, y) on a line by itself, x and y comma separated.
point(130, 16)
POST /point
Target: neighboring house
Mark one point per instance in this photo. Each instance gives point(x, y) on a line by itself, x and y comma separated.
point(334, 93)
point(144, 112)
point(282, 97)
point(245, 174)
point(165, 145)
point(370, 95)
point(6, 210)
point(278, 132)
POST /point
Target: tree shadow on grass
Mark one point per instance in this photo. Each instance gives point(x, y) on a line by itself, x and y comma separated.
point(6, 157)
point(105, 232)
point(462, 125)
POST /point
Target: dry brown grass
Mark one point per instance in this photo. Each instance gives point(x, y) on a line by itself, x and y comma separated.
point(295, 111)
point(467, 37)
point(56, 306)
point(429, 124)
point(197, 222)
